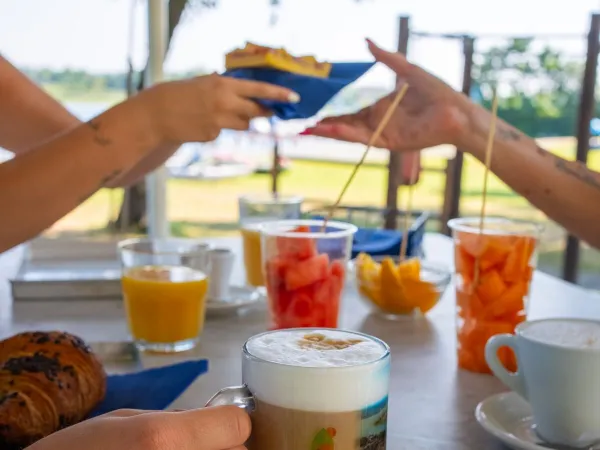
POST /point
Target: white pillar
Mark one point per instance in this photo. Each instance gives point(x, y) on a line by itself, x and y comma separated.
point(156, 186)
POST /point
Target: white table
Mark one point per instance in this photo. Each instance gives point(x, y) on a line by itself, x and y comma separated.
point(431, 402)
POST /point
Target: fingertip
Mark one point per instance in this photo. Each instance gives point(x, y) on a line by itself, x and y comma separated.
point(293, 97)
point(373, 47)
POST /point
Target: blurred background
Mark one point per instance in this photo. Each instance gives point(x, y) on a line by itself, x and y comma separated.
point(91, 54)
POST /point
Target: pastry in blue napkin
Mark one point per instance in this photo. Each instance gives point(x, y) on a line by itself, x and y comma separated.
point(151, 389)
point(315, 90)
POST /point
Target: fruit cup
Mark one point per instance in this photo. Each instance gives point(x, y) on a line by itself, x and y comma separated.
point(493, 276)
point(398, 290)
point(305, 268)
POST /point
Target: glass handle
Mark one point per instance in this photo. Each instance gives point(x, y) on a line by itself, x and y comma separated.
point(237, 396)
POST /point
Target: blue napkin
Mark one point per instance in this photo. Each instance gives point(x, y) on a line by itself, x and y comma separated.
point(150, 389)
point(314, 92)
point(383, 242)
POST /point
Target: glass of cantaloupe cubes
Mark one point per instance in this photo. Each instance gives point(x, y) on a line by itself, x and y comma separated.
point(399, 289)
point(494, 268)
point(304, 269)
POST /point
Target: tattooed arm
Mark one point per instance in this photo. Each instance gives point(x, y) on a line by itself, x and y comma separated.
point(566, 191)
point(47, 182)
point(29, 116)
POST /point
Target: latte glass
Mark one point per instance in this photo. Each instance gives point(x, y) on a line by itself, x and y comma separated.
point(313, 389)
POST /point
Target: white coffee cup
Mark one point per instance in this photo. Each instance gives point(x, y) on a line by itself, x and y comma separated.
point(558, 374)
point(221, 268)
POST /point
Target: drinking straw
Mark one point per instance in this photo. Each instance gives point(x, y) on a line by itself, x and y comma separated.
point(488, 163)
point(408, 211)
point(374, 137)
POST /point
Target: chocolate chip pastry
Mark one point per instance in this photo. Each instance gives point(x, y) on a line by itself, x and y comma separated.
point(48, 381)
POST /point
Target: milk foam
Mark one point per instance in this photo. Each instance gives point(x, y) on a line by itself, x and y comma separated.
point(289, 371)
point(565, 333)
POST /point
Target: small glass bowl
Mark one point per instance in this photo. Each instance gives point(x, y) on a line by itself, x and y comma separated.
point(394, 296)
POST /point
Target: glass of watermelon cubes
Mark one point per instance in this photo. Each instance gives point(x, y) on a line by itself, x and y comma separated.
point(305, 269)
point(493, 275)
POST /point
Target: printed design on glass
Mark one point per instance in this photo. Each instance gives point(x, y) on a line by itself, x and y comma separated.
point(324, 439)
point(374, 426)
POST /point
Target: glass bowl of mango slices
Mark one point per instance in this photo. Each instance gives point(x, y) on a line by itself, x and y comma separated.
point(397, 290)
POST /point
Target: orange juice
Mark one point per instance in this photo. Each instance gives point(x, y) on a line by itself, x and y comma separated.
point(164, 304)
point(252, 255)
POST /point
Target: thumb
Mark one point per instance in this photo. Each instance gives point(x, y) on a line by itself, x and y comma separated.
point(216, 428)
point(394, 60)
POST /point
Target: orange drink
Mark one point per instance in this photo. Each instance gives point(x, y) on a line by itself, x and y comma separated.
point(254, 211)
point(252, 255)
point(164, 304)
point(164, 285)
point(493, 276)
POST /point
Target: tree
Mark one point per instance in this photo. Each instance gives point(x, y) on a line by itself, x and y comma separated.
point(538, 91)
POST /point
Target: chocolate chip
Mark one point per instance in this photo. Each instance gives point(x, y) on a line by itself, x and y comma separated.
point(38, 363)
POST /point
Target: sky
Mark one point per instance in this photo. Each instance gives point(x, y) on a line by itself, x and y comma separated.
point(93, 34)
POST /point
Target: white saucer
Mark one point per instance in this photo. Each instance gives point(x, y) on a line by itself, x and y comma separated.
point(240, 297)
point(509, 418)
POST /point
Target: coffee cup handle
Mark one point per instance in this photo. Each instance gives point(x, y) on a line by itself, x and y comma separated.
point(512, 380)
point(236, 396)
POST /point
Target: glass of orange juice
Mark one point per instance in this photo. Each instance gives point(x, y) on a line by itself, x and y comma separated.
point(255, 210)
point(164, 290)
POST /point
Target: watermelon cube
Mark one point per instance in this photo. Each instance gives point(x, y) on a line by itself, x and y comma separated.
point(307, 272)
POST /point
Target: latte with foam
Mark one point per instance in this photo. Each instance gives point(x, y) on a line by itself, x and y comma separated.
point(569, 333)
point(317, 389)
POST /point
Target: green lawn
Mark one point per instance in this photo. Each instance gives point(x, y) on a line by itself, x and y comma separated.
point(209, 208)
point(65, 93)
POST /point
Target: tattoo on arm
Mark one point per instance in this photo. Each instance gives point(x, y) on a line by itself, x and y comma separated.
point(99, 139)
point(575, 169)
point(507, 133)
point(578, 170)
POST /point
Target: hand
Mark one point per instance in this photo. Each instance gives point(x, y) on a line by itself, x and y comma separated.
point(197, 109)
point(218, 428)
point(430, 114)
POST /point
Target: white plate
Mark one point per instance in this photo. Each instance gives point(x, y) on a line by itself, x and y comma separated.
point(509, 418)
point(241, 297)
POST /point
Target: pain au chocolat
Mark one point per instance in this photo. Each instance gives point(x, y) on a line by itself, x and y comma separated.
point(48, 381)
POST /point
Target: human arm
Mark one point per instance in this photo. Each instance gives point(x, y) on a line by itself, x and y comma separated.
point(566, 191)
point(28, 115)
point(218, 428)
point(51, 179)
point(432, 113)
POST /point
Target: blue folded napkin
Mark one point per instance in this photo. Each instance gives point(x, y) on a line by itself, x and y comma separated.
point(314, 92)
point(380, 242)
point(151, 389)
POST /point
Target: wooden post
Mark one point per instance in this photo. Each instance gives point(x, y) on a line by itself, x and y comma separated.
point(395, 159)
point(584, 117)
point(451, 207)
point(276, 168)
